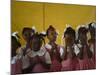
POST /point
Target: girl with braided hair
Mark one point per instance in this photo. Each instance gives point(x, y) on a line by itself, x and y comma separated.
point(85, 53)
point(53, 49)
point(92, 40)
point(16, 64)
point(39, 57)
point(70, 60)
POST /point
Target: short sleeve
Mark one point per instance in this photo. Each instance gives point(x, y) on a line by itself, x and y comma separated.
point(20, 52)
point(47, 58)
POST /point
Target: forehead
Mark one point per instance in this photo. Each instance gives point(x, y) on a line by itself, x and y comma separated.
point(36, 39)
point(28, 31)
point(52, 31)
point(66, 35)
point(82, 35)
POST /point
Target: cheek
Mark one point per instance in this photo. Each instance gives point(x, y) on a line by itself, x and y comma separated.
point(50, 37)
point(25, 38)
point(36, 44)
point(67, 41)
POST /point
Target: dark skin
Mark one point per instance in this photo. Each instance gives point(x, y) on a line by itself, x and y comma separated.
point(69, 41)
point(52, 36)
point(14, 46)
point(92, 31)
point(83, 40)
point(26, 36)
point(36, 44)
point(92, 40)
point(93, 34)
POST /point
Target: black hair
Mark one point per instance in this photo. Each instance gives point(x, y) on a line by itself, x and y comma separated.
point(39, 36)
point(26, 29)
point(70, 31)
point(82, 30)
point(81, 54)
point(50, 28)
point(17, 41)
point(14, 44)
point(91, 28)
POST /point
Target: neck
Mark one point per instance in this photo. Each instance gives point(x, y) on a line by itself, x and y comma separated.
point(36, 50)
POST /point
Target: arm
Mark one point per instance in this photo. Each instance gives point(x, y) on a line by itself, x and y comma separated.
point(47, 61)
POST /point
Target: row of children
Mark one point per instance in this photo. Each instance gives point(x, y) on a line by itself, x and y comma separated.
point(36, 56)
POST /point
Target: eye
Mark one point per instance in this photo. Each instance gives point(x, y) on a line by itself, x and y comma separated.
point(25, 34)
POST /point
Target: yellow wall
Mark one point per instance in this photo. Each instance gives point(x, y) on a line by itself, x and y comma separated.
point(31, 14)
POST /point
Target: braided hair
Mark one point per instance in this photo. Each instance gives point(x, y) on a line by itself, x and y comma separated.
point(14, 44)
point(50, 28)
point(92, 29)
point(27, 33)
point(83, 31)
point(39, 37)
point(70, 31)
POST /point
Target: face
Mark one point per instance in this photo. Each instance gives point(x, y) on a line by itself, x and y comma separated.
point(27, 34)
point(52, 35)
point(68, 40)
point(83, 38)
point(36, 44)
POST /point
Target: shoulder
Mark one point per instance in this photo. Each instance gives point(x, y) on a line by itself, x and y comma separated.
point(31, 53)
point(20, 50)
point(14, 59)
point(48, 46)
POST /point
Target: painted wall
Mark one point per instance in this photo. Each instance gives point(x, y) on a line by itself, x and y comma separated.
point(28, 14)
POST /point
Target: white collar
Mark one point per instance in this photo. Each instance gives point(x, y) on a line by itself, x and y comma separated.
point(13, 60)
point(41, 52)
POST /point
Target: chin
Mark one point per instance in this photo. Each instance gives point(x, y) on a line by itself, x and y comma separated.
point(36, 49)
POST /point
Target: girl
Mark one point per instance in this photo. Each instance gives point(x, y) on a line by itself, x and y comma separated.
point(70, 61)
point(85, 54)
point(26, 33)
point(53, 49)
point(92, 41)
point(39, 57)
point(16, 63)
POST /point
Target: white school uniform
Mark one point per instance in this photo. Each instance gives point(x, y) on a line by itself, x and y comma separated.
point(48, 46)
point(41, 52)
point(25, 59)
point(43, 56)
